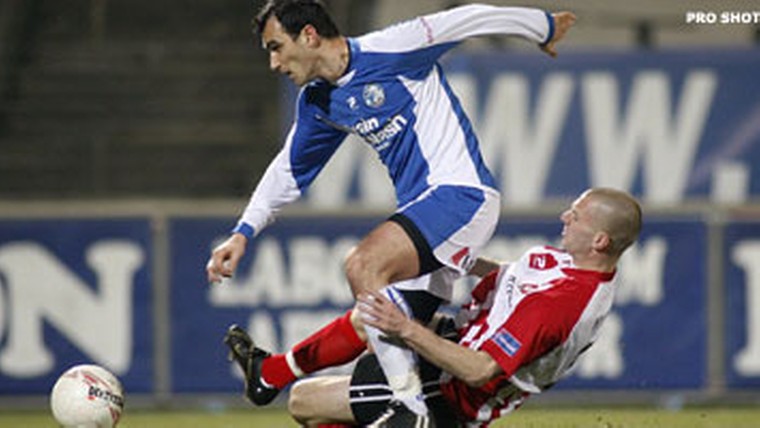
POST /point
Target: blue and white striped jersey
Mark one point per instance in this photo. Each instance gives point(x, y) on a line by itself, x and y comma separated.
point(396, 98)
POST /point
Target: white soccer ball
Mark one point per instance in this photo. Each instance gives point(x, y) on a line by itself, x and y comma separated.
point(87, 396)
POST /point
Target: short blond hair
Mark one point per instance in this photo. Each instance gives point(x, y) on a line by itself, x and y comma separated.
point(619, 215)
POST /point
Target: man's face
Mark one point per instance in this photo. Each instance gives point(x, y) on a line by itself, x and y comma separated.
point(579, 230)
point(287, 56)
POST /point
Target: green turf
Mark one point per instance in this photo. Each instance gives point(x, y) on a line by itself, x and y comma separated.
point(526, 418)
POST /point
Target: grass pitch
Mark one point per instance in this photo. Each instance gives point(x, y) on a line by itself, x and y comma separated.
point(525, 418)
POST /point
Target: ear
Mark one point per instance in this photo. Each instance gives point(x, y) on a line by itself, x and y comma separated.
point(310, 35)
point(601, 242)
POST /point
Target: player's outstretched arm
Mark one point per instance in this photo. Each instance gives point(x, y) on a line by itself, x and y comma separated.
point(562, 23)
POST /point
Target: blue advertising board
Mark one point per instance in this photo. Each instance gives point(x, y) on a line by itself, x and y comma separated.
point(669, 126)
point(73, 292)
point(80, 291)
point(741, 255)
point(290, 283)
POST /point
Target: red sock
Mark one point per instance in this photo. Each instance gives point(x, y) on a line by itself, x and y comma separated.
point(276, 372)
point(335, 344)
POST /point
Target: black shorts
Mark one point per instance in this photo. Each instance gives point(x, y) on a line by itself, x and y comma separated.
point(428, 262)
point(369, 393)
point(422, 304)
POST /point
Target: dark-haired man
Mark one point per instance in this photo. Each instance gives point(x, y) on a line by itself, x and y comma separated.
point(388, 88)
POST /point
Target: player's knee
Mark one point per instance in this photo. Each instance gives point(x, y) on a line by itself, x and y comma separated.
point(357, 269)
point(367, 271)
point(299, 404)
point(357, 324)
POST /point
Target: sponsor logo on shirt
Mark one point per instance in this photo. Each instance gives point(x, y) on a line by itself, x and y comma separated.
point(544, 261)
point(506, 342)
point(380, 136)
point(367, 126)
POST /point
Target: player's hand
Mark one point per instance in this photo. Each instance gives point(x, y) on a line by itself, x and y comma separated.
point(225, 257)
point(379, 312)
point(562, 23)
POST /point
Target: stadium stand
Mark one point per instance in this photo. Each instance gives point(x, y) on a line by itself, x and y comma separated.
point(135, 98)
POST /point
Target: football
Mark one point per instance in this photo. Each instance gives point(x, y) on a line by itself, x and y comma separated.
point(87, 396)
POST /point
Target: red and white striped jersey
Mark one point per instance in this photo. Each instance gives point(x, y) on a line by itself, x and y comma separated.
point(534, 317)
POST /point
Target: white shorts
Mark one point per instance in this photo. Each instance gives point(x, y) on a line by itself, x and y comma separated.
point(456, 222)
